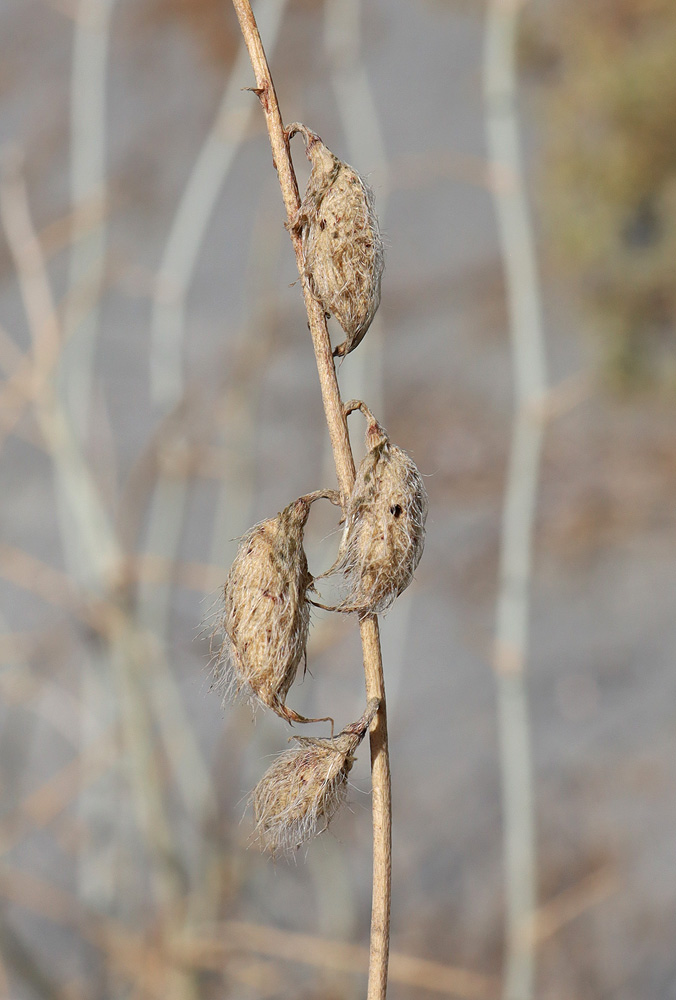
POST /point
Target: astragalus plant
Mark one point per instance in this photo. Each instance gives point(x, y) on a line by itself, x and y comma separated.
point(262, 629)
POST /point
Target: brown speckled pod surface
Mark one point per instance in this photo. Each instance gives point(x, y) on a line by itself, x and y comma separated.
point(342, 246)
point(385, 519)
point(265, 615)
point(300, 793)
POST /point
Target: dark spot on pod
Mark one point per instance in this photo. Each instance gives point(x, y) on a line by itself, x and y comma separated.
point(384, 526)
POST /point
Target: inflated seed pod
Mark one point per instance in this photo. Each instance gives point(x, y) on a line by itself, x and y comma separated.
point(299, 795)
point(385, 518)
point(265, 615)
point(342, 246)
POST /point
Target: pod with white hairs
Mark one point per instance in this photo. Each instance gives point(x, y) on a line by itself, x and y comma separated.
point(342, 246)
point(385, 517)
point(301, 792)
point(265, 615)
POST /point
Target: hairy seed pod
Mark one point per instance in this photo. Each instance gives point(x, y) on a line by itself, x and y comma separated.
point(342, 246)
point(265, 614)
point(385, 518)
point(299, 795)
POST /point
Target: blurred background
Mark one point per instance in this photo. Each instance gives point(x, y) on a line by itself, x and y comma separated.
point(159, 396)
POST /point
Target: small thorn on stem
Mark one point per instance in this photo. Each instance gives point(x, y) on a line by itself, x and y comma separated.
point(262, 95)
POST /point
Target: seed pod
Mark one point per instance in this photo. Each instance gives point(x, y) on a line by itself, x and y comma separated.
point(342, 246)
point(305, 787)
point(385, 518)
point(265, 614)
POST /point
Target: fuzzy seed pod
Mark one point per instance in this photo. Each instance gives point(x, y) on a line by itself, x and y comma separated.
point(265, 615)
point(342, 246)
point(385, 518)
point(305, 787)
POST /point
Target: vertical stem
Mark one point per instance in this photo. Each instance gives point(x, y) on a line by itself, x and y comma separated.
point(88, 190)
point(75, 382)
point(511, 639)
point(381, 786)
point(345, 471)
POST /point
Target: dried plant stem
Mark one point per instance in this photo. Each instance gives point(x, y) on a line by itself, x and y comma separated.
point(345, 471)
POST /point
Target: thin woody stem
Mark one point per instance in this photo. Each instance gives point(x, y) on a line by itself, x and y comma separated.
point(345, 471)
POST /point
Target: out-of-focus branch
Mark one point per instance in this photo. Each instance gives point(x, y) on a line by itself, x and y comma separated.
point(194, 212)
point(339, 956)
point(92, 547)
point(238, 407)
point(170, 494)
point(38, 809)
point(97, 552)
point(11, 357)
point(138, 961)
point(25, 964)
point(88, 188)
point(511, 639)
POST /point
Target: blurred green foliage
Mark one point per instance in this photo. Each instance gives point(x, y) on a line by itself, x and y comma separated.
point(609, 175)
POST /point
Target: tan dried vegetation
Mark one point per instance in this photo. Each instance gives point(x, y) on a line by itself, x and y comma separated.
point(263, 622)
point(299, 795)
point(342, 246)
point(385, 520)
point(265, 617)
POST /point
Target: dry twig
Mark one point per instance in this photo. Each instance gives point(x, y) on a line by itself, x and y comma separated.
point(345, 470)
